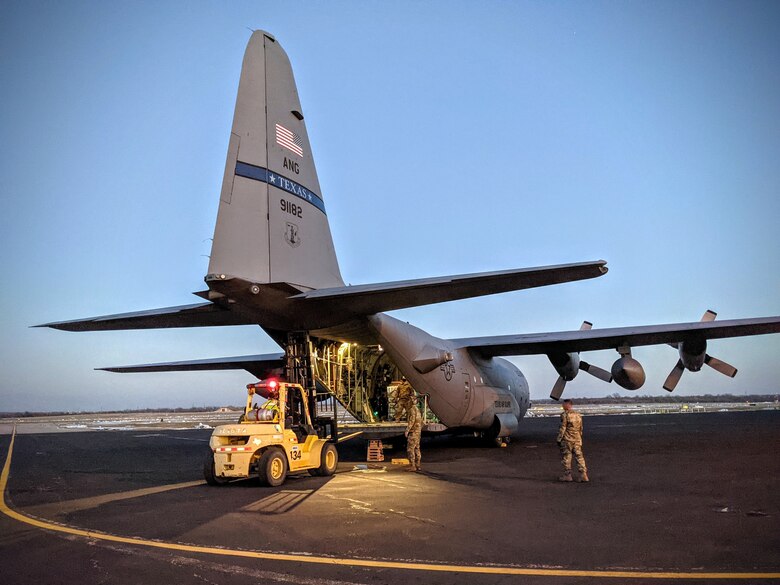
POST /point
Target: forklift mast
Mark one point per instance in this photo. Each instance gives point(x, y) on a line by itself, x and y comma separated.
point(299, 369)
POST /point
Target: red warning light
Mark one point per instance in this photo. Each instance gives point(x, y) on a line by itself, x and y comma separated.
point(265, 388)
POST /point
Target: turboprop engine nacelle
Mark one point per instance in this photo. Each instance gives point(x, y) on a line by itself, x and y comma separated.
point(693, 353)
point(628, 373)
point(566, 364)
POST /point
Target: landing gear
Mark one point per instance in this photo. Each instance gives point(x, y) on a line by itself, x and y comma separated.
point(497, 441)
point(491, 435)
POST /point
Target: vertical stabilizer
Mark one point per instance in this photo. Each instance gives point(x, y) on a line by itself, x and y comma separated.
point(271, 225)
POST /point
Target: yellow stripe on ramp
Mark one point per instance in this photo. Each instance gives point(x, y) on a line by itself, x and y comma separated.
point(348, 437)
point(348, 562)
point(69, 506)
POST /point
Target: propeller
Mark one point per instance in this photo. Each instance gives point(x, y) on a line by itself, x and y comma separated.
point(596, 372)
point(718, 365)
point(560, 383)
point(558, 387)
point(674, 376)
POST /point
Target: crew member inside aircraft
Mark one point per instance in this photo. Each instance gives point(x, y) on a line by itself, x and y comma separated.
point(570, 442)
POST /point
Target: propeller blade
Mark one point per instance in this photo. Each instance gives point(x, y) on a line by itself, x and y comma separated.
point(596, 371)
point(709, 315)
point(720, 366)
point(557, 390)
point(586, 325)
point(674, 376)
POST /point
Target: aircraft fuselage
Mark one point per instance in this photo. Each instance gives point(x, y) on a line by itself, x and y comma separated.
point(464, 390)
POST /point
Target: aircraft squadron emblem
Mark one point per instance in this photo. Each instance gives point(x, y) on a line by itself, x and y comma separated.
point(449, 370)
point(291, 235)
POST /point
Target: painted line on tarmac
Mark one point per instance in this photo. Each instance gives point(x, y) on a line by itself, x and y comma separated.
point(348, 437)
point(346, 562)
point(80, 504)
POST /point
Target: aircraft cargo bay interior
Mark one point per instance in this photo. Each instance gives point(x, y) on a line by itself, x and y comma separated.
point(362, 378)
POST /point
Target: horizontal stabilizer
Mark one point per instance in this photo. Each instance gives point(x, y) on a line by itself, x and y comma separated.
point(198, 315)
point(595, 339)
point(368, 299)
point(258, 365)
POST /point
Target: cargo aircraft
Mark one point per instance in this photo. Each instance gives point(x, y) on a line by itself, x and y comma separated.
point(273, 264)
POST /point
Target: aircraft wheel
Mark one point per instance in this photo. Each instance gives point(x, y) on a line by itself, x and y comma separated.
point(272, 468)
point(491, 437)
point(329, 459)
point(208, 470)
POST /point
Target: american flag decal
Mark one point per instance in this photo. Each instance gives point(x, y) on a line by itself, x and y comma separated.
point(289, 140)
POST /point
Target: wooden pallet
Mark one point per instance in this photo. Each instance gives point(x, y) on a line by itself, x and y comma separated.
point(375, 451)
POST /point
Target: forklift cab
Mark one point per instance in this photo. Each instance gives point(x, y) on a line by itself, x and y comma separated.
point(262, 403)
point(273, 401)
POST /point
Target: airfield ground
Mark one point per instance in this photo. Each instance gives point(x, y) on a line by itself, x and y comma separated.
point(692, 495)
point(179, 421)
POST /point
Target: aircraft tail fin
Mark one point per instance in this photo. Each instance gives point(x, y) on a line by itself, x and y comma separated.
point(271, 224)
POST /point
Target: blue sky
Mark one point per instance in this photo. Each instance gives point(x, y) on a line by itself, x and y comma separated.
point(450, 137)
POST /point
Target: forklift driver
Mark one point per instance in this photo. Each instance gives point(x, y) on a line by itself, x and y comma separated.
point(269, 411)
point(272, 405)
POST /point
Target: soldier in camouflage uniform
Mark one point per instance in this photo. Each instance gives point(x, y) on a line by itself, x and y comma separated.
point(413, 430)
point(404, 396)
point(570, 442)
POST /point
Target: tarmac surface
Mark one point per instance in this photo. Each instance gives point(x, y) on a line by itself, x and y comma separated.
point(672, 498)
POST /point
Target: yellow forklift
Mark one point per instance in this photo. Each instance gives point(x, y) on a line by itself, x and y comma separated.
point(273, 437)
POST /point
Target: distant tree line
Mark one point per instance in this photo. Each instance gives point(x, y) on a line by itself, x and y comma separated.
point(617, 398)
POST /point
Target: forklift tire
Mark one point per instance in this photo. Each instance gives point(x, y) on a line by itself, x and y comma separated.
point(208, 470)
point(329, 458)
point(272, 468)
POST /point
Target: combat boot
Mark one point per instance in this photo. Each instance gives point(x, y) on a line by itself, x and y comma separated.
point(583, 477)
point(566, 477)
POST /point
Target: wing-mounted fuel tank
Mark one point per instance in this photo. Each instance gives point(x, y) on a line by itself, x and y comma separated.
point(464, 389)
point(628, 372)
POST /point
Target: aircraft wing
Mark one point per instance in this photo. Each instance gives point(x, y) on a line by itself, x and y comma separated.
point(368, 299)
point(258, 365)
point(197, 315)
point(594, 339)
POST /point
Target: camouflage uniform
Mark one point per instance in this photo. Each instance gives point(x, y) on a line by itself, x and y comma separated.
point(413, 432)
point(404, 397)
point(570, 441)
